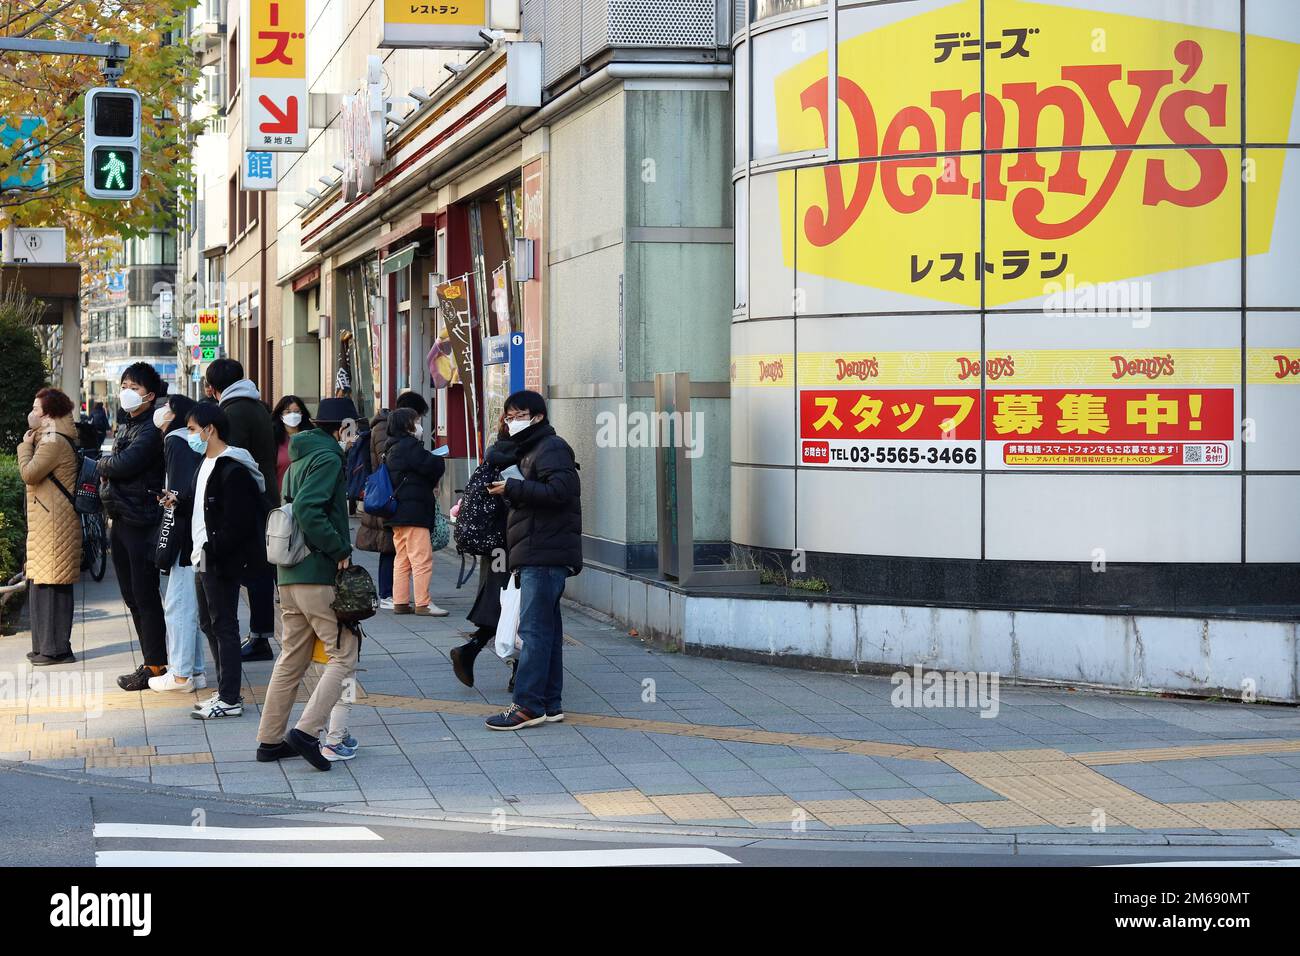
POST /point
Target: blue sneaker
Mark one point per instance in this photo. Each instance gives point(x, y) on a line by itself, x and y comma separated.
point(336, 752)
point(350, 741)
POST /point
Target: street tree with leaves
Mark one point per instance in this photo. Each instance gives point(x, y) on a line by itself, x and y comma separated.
point(162, 67)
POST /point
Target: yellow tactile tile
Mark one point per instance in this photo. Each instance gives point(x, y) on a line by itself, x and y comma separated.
point(1284, 814)
point(693, 806)
point(1145, 815)
point(617, 803)
point(919, 812)
point(849, 812)
point(768, 809)
point(1221, 816)
point(997, 813)
point(1190, 752)
point(147, 761)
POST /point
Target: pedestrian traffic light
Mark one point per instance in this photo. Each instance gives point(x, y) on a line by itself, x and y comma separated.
point(112, 143)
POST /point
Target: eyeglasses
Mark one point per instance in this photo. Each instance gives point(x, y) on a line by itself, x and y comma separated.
point(517, 417)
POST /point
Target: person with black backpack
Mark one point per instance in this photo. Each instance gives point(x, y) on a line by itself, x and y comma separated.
point(544, 549)
point(481, 531)
point(48, 465)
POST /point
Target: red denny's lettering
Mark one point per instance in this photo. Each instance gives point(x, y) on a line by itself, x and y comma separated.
point(1159, 96)
point(1152, 367)
point(861, 369)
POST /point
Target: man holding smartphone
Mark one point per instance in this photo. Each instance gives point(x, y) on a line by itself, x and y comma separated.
point(544, 547)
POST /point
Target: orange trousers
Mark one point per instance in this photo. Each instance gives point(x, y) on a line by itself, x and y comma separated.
point(414, 560)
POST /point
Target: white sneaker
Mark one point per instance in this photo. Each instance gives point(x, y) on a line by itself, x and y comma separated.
point(431, 610)
point(168, 681)
point(386, 604)
point(199, 681)
point(216, 708)
point(207, 700)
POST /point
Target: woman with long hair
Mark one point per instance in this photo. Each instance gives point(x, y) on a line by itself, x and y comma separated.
point(180, 602)
point(288, 418)
point(47, 462)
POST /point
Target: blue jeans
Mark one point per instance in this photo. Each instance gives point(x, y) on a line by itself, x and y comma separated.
point(385, 583)
point(539, 678)
point(181, 612)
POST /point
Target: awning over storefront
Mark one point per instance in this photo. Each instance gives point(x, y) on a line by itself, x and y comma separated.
point(399, 259)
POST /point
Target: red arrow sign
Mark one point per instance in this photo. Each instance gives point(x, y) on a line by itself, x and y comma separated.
point(286, 121)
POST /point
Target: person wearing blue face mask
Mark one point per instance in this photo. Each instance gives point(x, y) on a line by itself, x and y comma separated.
point(227, 526)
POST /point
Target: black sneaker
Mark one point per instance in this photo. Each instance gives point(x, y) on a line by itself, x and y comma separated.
point(266, 753)
point(138, 679)
point(42, 660)
point(554, 716)
point(256, 649)
point(514, 718)
point(308, 748)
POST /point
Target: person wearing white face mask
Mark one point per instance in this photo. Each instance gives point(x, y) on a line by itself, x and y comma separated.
point(133, 479)
point(415, 472)
point(47, 463)
point(287, 419)
point(180, 603)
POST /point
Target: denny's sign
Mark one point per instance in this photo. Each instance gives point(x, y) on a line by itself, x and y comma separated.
point(1055, 79)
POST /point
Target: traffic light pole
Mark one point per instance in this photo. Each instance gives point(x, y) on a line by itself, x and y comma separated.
point(111, 53)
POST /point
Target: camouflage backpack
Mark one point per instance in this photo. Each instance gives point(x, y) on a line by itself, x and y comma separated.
point(355, 597)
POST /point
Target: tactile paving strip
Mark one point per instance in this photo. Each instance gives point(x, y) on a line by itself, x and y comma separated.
point(617, 803)
point(693, 806)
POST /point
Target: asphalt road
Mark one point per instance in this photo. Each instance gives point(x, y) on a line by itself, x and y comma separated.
point(47, 819)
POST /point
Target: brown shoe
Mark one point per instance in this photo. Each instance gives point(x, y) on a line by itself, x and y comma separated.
point(403, 609)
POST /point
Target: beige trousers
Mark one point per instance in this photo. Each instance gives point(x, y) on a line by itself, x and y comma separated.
point(306, 614)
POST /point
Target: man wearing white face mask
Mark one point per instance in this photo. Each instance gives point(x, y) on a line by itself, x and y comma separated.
point(133, 476)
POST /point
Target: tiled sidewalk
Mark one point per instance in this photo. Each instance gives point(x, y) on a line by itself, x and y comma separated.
point(663, 738)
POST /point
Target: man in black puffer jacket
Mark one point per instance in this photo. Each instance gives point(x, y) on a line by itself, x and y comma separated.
point(133, 480)
point(543, 547)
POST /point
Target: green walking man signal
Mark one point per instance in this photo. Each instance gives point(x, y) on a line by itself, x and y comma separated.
point(112, 143)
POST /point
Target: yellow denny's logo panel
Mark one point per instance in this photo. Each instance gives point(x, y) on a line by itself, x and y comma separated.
point(910, 225)
point(767, 369)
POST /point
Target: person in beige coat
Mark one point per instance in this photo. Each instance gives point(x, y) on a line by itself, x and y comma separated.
point(47, 455)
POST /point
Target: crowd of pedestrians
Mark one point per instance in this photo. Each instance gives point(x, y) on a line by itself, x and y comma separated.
point(188, 488)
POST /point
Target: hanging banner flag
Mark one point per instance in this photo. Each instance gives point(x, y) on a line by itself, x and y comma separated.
point(454, 306)
point(412, 23)
point(274, 66)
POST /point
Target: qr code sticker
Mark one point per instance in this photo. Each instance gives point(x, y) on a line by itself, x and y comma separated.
point(1193, 454)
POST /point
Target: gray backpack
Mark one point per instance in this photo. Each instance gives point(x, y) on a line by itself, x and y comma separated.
point(285, 545)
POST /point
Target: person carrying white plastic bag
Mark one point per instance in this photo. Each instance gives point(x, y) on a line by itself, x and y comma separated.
point(508, 644)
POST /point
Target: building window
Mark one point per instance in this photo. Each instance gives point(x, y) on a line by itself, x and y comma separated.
point(232, 63)
point(232, 215)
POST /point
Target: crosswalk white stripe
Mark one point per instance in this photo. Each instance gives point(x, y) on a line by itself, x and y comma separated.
point(649, 856)
point(152, 831)
point(1208, 863)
